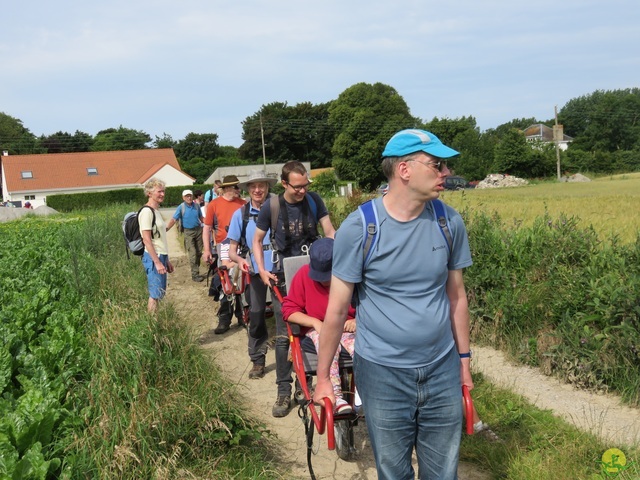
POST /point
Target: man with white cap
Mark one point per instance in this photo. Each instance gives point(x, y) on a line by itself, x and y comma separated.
point(241, 231)
point(190, 216)
point(412, 342)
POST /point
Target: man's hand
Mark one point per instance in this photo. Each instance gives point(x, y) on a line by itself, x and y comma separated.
point(323, 390)
point(268, 278)
point(465, 373)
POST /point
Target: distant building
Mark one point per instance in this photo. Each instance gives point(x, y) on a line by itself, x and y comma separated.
point(33, 177)
point(242, 171)
point(544, 134)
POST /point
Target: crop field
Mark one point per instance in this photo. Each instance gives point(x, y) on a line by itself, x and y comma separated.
point(609, 204)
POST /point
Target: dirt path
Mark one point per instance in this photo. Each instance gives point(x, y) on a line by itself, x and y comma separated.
point(229, 350)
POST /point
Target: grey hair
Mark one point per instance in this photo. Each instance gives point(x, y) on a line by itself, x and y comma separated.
point(152, 183)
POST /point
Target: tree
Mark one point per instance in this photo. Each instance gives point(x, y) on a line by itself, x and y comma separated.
point(201, 145)
point(64, 142)
point(166, 141)
point(512, 155)
point(120, 138)
point(365, 117)
point(299, 133)
point(15, 138)
point(606, 121)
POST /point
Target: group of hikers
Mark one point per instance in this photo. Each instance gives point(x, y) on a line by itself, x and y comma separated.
point(402, 314)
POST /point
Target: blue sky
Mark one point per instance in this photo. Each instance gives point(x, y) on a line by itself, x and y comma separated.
point(203, 66)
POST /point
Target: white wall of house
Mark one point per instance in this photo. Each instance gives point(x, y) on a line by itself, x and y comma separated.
point(173, 177)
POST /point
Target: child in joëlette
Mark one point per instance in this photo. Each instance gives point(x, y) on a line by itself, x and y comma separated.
point(306, 305)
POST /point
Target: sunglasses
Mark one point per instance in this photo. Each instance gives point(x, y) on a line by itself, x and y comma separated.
point(439, 165)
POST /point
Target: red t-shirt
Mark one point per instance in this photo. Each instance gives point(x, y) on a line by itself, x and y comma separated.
point(221, 210)
point(308, 296)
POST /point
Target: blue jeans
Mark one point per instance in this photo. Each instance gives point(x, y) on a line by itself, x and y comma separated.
point(156, 283)
point(413, 407)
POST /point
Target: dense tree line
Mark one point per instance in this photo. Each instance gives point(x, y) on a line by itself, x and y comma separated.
point(349, 134)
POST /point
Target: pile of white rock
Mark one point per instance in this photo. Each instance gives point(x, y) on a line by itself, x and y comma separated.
point(578, 177)
point(497, 180)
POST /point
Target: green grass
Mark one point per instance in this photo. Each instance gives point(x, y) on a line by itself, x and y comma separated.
point(143, 401)
point(535, 444)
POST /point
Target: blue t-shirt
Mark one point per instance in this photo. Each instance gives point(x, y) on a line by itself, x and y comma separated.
point(235, 229)
point(403, 312)
point(210, 195)
point(192, 215)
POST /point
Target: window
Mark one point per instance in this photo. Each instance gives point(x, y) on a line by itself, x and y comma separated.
point(29, 197)
point(26, 174)
point(92, 171)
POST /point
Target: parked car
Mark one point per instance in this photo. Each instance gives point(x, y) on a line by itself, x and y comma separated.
point(456, 183)
point(383, 189)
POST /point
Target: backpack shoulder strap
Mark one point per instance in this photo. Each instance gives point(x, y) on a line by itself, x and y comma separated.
point(274, 203)
point(370, 228)
point(153, 221)
point(183, 209)
point(246, 209)
point(313, 204)
point(443, 222)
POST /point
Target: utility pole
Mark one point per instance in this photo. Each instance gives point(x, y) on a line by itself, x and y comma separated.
point(264, 155)
point(558, 135)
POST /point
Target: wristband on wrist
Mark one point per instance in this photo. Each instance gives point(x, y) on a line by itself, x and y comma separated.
point(466, 355)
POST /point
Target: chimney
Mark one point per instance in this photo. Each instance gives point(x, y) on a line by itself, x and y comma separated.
point(5, 153)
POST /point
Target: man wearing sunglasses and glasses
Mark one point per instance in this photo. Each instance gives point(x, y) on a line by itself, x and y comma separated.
point(299, 214)
point(412, 342)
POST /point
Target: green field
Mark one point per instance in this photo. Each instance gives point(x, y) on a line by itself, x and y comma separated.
point(609, 204)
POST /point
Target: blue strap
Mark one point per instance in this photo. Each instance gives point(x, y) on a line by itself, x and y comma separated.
point(443, 222)
point(370, 227)
point(369, 216)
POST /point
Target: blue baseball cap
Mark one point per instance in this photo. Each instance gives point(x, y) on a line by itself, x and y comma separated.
point(320, 259)
point(410, 141)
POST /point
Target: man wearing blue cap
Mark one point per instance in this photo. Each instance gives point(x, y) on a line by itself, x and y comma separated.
point(412, 342)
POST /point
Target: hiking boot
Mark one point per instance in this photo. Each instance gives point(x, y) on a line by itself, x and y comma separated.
point(257, 371)
point(484, 431)
point(221, 328)
point(281, 407)
point(197, 278)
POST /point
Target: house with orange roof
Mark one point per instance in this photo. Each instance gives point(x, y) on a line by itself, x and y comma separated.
point(30, 178)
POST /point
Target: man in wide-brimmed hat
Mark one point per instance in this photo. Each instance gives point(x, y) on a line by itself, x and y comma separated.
point(241, 231)
point(219, 213)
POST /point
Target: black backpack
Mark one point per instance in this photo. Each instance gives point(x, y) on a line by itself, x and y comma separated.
point(131, 231)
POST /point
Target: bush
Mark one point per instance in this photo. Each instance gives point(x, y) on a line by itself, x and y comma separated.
point(552, 296)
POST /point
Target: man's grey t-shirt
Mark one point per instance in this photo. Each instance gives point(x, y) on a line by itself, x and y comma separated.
point(403, 312)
